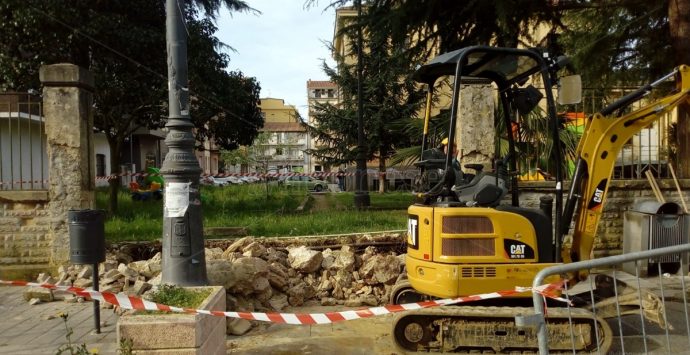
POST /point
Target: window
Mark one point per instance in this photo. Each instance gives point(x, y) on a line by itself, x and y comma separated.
point(279, 151)
point(331, 93)
point(317, 167)
point(100, 164)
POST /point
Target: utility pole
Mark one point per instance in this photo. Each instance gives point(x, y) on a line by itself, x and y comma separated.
point(361, 184)
point(183, 260)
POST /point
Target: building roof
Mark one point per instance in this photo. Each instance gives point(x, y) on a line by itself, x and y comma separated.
point(320, 84)
point(283, 127)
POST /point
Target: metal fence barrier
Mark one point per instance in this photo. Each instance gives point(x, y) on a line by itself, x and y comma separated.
point(646, 315)
point(23, 149)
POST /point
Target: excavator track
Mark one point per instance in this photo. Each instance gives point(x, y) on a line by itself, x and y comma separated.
point(493, 330)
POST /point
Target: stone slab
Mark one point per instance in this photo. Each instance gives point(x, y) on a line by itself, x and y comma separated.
point(65, 74)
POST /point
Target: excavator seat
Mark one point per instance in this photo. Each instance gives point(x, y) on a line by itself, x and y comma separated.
point(482, 190)
point(542, 227)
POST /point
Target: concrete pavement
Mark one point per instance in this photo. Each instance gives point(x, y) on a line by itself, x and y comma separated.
point(37, 329)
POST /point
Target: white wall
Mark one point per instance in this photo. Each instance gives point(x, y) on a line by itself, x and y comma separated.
point(100, 146)
point(23, 149)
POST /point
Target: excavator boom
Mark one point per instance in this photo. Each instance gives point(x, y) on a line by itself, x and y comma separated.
point(602, 140)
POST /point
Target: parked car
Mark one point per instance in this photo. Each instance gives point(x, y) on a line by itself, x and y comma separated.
point(234, 180)
point(250, 179)
point(306, 182)
point(211, 180)
point(222, 181)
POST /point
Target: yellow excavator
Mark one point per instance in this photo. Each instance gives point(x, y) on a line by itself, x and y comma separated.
point(463, 239)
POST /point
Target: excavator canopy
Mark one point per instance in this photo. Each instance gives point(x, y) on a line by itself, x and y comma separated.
point(504, 66)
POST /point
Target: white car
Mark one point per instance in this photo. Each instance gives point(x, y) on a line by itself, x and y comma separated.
point(250, 179)
point(210, 180)
point(234, 180)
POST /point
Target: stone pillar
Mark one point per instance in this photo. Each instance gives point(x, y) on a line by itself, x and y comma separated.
point(475, 130)
point(68, 112)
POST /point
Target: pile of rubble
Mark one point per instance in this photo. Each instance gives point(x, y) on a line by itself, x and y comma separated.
point(257, 278)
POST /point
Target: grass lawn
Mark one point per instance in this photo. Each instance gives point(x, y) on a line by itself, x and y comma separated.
point(262, 212)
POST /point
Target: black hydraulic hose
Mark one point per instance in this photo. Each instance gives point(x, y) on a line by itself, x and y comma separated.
point(634, 96)
point(574, 195)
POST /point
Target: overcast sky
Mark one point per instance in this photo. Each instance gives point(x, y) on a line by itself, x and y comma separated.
point(282, 47)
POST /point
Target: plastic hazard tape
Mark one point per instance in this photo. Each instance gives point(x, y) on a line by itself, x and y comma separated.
point(259, 175)
point(130, 302)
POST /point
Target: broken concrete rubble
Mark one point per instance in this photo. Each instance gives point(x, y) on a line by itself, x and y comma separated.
point(261, 275)
point(304, 259)
point(382, 269)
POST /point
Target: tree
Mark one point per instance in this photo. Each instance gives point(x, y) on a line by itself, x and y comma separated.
point(629, 43)
point(412, 33)
point(123, 44)
point(389, 94)
point(679, 26)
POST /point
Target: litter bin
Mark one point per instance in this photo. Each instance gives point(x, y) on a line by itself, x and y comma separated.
point(651, 225)
point(86, 236)
point(87, 246)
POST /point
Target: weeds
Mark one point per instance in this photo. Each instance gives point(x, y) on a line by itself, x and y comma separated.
point(177, 296)
point(70, 348)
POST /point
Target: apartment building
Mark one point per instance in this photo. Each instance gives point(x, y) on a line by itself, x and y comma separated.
point(318, 92)
point(281, 145)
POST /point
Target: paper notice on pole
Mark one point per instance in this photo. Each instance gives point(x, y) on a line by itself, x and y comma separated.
point(176, 198)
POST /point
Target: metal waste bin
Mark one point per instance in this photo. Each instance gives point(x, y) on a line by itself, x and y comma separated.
point(86, 236)
point(651, 225)
point(87, 246)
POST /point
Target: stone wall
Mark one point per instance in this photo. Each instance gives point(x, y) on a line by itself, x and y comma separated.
point(622, 196)
point(25, 229)
point(33, 224)
point(474, 130)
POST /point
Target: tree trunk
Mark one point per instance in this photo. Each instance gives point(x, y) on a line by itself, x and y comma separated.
point(679, 25)
point(114, 170)
point(382, 175)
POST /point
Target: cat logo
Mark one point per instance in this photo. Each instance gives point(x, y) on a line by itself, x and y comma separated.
point(517, 250)
point(598, 196)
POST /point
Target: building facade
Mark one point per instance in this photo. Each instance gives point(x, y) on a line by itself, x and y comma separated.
point(280, 145)
point(318, 92)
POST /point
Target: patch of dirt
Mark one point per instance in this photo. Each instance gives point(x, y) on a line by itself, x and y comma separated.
point(360, 336)
point(320, 202)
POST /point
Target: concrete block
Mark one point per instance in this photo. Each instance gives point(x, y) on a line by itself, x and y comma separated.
point(238, 326)
point(65, 74)
point(43, 294)
point(177, 333)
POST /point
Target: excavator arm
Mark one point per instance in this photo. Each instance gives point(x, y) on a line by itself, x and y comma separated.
point(602, 140)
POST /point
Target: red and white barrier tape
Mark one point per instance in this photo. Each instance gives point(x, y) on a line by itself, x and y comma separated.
point(258, 175)
point(130, 302)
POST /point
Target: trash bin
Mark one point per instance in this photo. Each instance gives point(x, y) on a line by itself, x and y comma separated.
point(86, 236)
point(651, 225)
point(87, 246)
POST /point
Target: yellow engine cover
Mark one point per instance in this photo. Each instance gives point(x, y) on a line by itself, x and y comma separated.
point(460, 251)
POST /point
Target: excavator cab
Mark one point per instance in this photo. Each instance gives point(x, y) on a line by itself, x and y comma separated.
point(509, 70)
point(463, 227)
